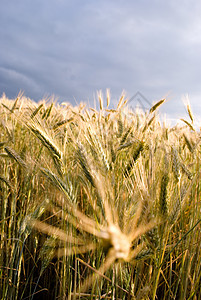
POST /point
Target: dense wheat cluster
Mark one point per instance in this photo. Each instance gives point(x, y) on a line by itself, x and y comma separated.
point(98, 203)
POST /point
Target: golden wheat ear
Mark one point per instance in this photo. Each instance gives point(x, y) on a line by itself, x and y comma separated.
point(155, 106)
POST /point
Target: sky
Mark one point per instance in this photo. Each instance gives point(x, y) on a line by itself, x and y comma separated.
point(72, 49)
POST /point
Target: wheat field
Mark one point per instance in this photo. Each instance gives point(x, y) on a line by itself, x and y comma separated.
point(98, 203)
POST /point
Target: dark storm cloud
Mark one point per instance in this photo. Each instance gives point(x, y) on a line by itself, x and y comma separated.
point(73, 48)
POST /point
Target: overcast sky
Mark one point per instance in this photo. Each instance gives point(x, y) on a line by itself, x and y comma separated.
point(72, 49)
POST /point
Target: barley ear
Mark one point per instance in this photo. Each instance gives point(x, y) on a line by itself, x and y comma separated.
point(125, 136)
point(7, 182)
point(108, 97)
point(83, 161)
point(188, 143)
point(188, 124)
point(185, 169)
point(190, 112)
point(48, 111)
point(16, 157)
point(34, 113)
point(100, 98)
point(65, 188)
point(14, 105)
point(176, 164)
point(163, 195)
point(155, 106)
point(136, 153)
point(120, 126)
point(122, 102)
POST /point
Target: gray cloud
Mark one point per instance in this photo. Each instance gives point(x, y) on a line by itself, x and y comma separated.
point(74, 48)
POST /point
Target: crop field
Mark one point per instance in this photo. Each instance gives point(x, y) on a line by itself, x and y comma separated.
point(98, 203)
